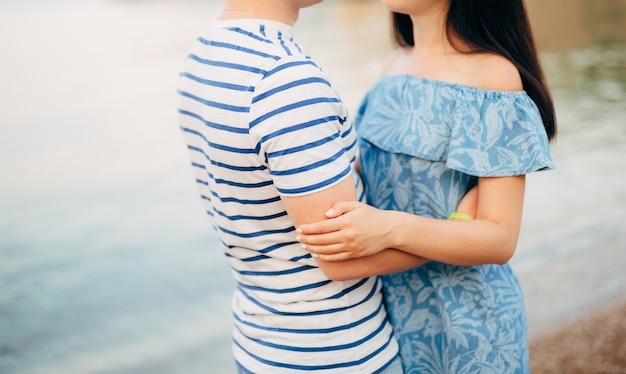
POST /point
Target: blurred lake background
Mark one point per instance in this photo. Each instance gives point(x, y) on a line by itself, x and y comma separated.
point(107, 262)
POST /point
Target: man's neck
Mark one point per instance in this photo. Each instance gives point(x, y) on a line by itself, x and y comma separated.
point(274, 10)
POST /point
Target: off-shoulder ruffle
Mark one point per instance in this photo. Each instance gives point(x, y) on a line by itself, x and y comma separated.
point(476, 131)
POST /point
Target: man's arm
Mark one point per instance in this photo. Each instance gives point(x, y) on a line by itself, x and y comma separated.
point(311, 208)
point(297, 124)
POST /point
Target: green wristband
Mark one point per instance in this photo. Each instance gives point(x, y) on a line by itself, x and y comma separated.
point(461, 216)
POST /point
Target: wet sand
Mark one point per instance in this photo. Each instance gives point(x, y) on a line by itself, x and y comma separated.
point(593, 344)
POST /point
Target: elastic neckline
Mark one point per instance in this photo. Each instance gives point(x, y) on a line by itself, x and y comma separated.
point(459, 86)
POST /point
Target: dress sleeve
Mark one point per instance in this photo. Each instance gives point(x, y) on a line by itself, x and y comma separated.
point(502, 135)
point(299, 128)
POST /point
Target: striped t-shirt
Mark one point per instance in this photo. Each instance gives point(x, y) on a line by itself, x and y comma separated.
point(261, 120)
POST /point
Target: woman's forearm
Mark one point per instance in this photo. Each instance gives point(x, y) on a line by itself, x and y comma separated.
point(358, 230)
point(387, 261)
point(489, 238)
point(472, 242)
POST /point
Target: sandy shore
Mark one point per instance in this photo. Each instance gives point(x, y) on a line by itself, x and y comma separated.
point(592, 344)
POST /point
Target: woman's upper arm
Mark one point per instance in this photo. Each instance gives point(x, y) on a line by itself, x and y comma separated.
point(501, 201)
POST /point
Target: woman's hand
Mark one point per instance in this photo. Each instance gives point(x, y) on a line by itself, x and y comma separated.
point(353, 230)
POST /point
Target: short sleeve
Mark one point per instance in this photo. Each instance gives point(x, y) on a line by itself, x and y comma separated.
point(502, 135)
point(299, 127)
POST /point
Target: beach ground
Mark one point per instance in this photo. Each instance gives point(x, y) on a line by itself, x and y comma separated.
point(593, 344)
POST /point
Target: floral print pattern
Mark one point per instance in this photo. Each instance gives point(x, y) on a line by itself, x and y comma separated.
point(423, 144)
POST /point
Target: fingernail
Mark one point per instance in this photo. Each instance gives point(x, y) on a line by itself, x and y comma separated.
point(303, 246)
point(298, 238)
point(330, 212)
point(299, 230)
point(314, 255)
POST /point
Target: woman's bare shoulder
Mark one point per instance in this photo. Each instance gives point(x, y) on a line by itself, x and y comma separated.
point(498, 73)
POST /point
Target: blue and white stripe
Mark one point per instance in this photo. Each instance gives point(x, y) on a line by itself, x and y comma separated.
point(261, 120)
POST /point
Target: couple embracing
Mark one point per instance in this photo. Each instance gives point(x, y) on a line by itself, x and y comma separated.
point(379, 245)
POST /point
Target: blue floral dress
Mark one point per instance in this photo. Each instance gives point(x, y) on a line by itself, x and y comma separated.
point(423, 144)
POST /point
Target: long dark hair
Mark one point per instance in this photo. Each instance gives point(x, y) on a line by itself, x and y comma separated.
point(499, 27)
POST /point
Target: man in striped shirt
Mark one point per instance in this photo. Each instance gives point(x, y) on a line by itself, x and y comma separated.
point(272, 147)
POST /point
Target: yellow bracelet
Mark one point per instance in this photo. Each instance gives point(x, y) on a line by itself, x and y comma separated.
point(461, 216)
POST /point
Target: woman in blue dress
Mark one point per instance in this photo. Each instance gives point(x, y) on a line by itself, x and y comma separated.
point(462, 102)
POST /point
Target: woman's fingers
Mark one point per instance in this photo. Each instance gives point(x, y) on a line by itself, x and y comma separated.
point(326, 250)
point(321, 227)
point(334, 223)
point(320, 240)
point(347, 235)
point(342, 207)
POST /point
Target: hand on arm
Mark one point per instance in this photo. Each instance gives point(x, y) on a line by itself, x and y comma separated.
point(311, 208)
point(354, 229)
point(490, 238)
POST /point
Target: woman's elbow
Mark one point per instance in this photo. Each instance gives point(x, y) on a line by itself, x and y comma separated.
point(504, 245)
point(504, 254)
point(504, 259)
